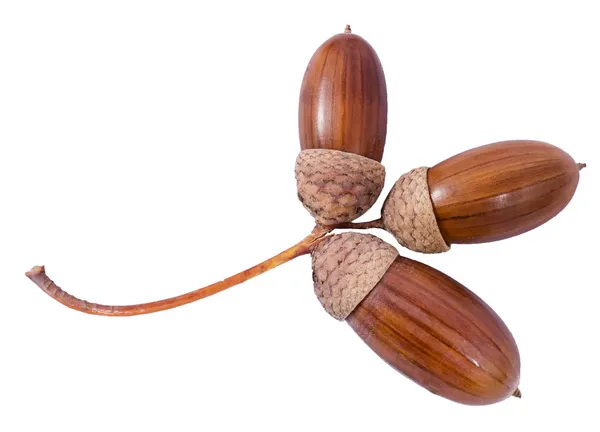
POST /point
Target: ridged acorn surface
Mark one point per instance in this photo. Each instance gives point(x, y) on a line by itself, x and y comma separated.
point(343, 98)
point(485, 194)
point(420, 321)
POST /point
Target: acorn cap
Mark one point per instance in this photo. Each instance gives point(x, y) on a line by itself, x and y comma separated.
point(408, 214)
point(346, 267)
point(335, 186)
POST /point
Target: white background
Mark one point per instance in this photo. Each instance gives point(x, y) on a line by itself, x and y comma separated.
point(147, 148)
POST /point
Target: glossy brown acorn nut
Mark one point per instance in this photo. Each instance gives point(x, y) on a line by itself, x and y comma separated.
point(343, 99)
point(501, 190)
point(485, 194)
point(423, 323)
point(439, 334)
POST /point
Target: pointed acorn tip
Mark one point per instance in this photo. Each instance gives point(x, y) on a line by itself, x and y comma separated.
point(581, 166)
point(517, 393)
point(347, 29)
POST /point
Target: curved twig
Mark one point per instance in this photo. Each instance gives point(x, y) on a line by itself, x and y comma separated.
point(38, 276)
point(377, 223)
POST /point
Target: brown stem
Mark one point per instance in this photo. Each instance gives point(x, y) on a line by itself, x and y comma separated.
point(581, 166)
point(38, 276)
point(347, 29)
point(378, 223)
point(517, 393)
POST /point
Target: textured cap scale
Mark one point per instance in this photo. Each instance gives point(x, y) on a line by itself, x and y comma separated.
point(335, 186)
point(408, 214)
point(346, 267)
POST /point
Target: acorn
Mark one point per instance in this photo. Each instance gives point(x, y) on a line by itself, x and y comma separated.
point(342, 123)
point(485, 194)
point(343, 98)
point(420, 321)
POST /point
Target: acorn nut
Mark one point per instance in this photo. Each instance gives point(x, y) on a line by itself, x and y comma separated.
point(420, 321)
point(485, 194)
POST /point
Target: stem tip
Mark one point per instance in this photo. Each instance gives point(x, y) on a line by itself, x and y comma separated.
point(347, 29)
point(581, 166)
point(35, 271)
point(517, 393)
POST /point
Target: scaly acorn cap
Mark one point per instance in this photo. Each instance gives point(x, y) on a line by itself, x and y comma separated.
point(346, 267)
point(409, 216)
point(335, 186)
